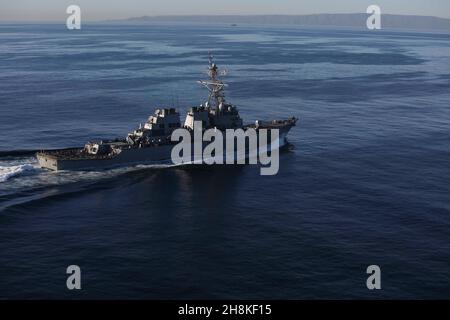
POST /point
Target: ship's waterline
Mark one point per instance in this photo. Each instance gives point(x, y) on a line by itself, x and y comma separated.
point(235, 147)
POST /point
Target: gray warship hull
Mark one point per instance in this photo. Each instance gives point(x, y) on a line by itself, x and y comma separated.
point(74, 159)
point(55, 161)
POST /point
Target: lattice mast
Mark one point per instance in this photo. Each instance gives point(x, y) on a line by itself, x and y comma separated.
point(214, 85)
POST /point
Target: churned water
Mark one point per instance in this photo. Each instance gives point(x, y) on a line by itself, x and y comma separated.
point(365, 182)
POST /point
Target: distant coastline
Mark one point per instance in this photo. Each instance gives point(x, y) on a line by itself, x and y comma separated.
point(340, 20)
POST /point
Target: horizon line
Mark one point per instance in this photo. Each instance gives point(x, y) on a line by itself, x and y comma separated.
point(218, 15)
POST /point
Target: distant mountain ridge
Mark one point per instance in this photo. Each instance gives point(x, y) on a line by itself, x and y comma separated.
point(343, 20)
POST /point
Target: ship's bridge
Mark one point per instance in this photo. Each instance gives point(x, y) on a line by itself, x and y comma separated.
point(163, 122)
point(159, 125)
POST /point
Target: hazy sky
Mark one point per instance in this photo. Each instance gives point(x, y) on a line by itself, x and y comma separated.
point(54, 10)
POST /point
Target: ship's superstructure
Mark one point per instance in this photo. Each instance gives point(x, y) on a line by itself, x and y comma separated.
point(151, 142)
point(158, 126)
point(216, 112)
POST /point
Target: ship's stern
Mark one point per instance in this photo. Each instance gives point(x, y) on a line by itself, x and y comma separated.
point(47, 161)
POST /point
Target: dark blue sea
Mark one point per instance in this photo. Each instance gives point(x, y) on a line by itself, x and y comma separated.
point(365, 182)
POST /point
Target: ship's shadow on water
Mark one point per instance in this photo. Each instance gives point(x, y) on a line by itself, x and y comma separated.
point(213, 182)
point(201, 185)
point(208, 185)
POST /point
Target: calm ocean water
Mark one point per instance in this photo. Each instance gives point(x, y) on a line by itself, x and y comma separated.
point(366, 182)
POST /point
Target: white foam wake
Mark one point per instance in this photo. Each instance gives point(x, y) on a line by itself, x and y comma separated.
point(8, 172)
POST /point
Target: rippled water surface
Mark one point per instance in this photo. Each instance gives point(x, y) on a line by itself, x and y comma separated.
point(366, 181)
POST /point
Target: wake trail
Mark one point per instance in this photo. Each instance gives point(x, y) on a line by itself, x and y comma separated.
point(8, 172)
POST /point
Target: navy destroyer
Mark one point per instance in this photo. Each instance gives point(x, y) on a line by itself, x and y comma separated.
point(151, 143)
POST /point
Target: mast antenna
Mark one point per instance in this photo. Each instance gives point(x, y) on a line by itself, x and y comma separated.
point(214, 85)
